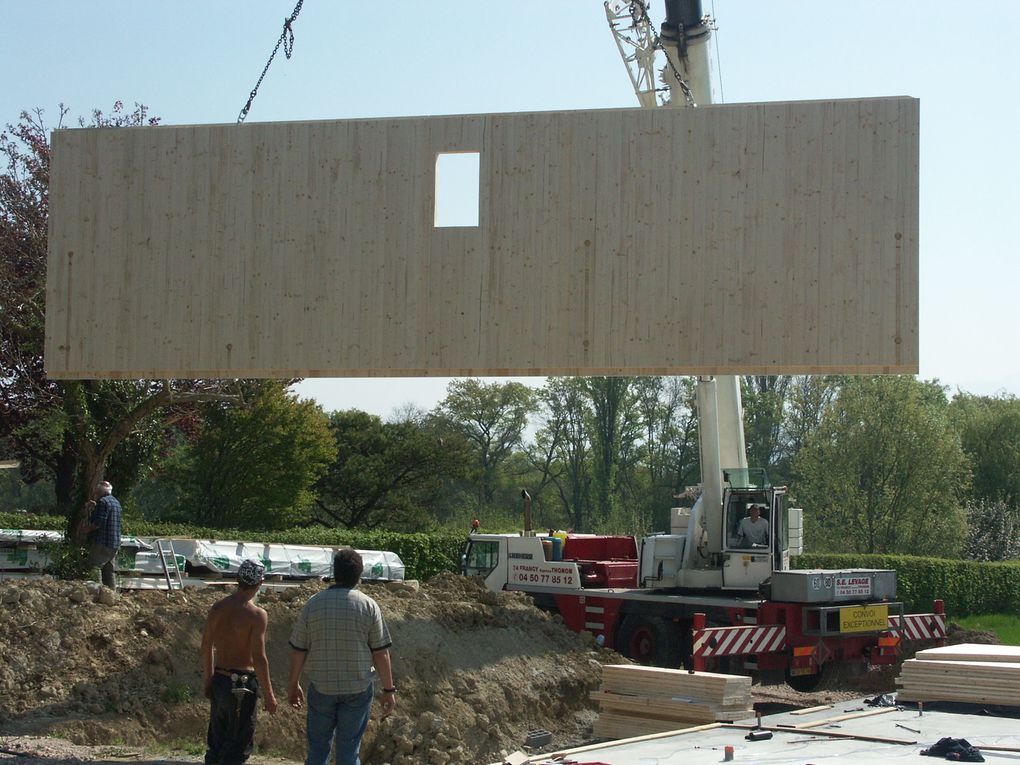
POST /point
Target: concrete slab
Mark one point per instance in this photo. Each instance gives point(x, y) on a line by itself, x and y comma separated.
point(826, 740)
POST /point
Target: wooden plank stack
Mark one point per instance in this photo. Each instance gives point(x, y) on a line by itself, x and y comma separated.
point(969, 673)
point(636, 700)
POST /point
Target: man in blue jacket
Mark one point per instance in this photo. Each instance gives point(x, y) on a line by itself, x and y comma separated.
point(104, 531)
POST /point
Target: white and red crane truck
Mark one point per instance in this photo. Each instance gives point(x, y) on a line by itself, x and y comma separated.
point(667, 600)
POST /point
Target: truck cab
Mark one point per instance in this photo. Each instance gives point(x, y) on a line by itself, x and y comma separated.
point(560, 560)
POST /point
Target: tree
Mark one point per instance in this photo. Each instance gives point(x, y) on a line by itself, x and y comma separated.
point(667, 413)
point(613, 432)
point(617, 450)
point(993, 531)
point(253, 466)
point(385, 473)
point(492, 418)
point(561, 446)
point(71, 431)
point(884, 472)
point(809, 399)
point(990, 432)
point(764, 401)
point(17, 495)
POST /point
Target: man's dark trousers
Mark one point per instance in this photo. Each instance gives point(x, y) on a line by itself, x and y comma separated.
point(231, 721)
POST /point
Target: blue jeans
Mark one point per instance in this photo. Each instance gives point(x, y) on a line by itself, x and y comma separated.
point(346, 716)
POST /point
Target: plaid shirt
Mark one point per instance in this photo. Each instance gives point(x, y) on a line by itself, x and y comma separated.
point(339, 628)
point(106, 515)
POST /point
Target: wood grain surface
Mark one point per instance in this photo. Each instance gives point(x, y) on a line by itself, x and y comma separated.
point(751, 238)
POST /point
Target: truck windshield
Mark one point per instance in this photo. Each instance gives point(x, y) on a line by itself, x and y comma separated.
point(481, 558)
point(746, 478)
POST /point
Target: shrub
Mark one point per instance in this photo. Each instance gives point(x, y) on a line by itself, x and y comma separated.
point(68, 561)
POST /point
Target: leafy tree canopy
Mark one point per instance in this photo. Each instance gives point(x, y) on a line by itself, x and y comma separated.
point(990, 432)
point(386, 473)
point(254, 466)
point(492, 419)
point(993, 531)
point(884, 472)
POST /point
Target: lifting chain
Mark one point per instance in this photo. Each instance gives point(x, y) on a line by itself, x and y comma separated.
point(639, 11)
point(287, 41)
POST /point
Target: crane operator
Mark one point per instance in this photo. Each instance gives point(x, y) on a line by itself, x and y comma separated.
point(753, 530)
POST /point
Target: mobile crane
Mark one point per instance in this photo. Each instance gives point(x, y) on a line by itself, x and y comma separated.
point(703, 595)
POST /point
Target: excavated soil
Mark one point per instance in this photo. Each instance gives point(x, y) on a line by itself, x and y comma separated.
point(477, 670)
point(89, 675)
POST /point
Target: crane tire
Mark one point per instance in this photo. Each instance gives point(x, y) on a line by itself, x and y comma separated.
point(649, 640)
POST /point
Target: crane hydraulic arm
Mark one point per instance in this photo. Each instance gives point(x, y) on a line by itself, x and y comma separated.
point(684, 41)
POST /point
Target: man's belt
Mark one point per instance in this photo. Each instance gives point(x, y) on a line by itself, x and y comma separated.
point(234, 674)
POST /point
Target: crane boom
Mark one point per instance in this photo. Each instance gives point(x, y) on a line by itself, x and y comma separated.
point(683, 41)
point(635, 39)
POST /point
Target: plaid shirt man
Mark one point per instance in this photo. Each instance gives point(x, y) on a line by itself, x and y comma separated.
point(340, 628)
point(106, 515)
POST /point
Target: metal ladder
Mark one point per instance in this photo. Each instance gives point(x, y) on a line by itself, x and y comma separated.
point(172, 571)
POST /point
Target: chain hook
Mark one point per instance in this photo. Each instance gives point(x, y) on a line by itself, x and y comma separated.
point(657, 43)
point(287, 41)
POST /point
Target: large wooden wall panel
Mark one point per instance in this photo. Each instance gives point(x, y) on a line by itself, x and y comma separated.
point(765, 238)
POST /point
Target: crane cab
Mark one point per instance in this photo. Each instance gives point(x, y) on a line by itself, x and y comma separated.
point(757, 534)
point(755, 520)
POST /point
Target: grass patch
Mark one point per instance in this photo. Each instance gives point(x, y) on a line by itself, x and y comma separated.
point(192, 747)
point(1006, 626)
point(177, 692)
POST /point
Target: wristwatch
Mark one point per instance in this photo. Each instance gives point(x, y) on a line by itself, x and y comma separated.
point(389, 690)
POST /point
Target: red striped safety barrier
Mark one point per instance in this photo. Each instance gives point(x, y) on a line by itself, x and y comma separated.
point(919, 626)
point(739, 641)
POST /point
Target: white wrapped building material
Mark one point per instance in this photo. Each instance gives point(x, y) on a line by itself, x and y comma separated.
point(34, 537)
point(27, 537)
point(289, 561)
point(20, 551)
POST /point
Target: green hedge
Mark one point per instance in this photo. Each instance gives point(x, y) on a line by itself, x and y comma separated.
point(424, 555)
point(10, 520)
point(967, 587)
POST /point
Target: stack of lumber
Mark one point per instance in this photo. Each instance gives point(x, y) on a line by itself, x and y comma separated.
point(636, 700)
point(970, 673)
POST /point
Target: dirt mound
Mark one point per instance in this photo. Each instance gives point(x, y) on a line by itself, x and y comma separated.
point(955, 635)
point(476, 669)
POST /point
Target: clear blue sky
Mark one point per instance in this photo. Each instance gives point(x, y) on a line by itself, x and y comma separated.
point(194, 62)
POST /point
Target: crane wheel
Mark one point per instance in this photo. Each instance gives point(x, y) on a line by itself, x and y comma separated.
point(649, 640)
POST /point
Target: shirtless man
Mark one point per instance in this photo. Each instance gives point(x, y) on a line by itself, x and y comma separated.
point(234, 667)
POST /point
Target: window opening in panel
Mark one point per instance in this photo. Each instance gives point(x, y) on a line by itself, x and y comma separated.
point(457, 189)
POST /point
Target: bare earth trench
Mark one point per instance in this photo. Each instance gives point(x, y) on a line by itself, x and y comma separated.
point(83, 679)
